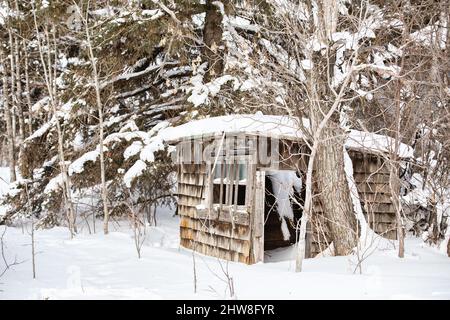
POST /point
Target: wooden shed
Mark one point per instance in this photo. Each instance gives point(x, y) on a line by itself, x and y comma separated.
point(240, 188)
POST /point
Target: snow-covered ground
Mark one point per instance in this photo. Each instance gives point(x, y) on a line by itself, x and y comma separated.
point(106, 267)
point(95, 266)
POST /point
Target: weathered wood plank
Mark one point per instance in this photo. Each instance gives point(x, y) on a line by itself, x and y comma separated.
point(226, 215)
point(193, 168)
point(372, 165)
point(374, 207)
point(374, 188)
point(214, 251)
point(214, 240)
point(192, 178)
point(221, 229)
point(372, 178)
point(184, 200)
point(387, 230)
point(375, 197)
point(381, 217)
point(190, 190)
point(184, 210)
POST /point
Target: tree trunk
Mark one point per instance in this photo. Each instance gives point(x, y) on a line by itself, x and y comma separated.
point(334, 191)
point(394, 180)
point(212, 37)
point(101, 129)
point(13, 101)
point(329, 16)
point(340, 206)
point(301, 243)
point(19, 92)
point(9, 132)
point(394, 184)
point(329, 167)
point(433, 229)
point(28, 94)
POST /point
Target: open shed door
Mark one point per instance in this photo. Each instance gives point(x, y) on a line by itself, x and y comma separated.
point(258, 218)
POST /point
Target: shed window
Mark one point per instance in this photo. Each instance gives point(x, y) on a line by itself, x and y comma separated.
point(229, 184)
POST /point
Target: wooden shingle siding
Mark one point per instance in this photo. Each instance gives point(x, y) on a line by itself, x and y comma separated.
point(207, 234)
point(221, 229)
point(213, 251)
point(371, 177)
point(224, 215)
point(211, 239)
point(372, 180)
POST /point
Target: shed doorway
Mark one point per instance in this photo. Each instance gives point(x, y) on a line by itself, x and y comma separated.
point(283, 201)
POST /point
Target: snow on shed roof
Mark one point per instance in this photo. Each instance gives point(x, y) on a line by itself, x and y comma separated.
point(285, 127)
point(276, 126)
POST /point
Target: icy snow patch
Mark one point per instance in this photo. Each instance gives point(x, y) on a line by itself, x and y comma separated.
point(78, 165)
point(54, 184)
point(428, 36)
point(135, 171)
point(158, 127)
point(418, 195)
point(199, 19)
point(132, 150)
point(283, 184)
point(147, 153)
point(41, 104)
point(247, 85)
point(77, 142)
point(128, 136)
point(154, 14)
point(200, 92)
point(42, 130)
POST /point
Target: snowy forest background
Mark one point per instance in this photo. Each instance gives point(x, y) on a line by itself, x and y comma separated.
point(86, 86)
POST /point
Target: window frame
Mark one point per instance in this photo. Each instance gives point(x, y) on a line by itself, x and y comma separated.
point(231, 192)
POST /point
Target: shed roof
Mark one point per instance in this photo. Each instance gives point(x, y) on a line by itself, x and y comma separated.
point(282, 127)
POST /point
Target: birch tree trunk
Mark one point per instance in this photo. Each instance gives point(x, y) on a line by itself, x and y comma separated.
point(394, 180)
point(17, 55)
point(394, 184)
point(7, 114)
point(28, 93)
point(301, 244)
point(13, 101)
point(101, 127)
point(19, 92)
